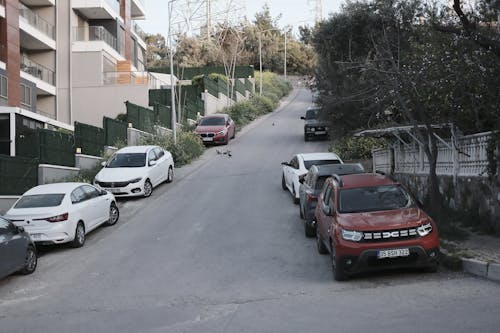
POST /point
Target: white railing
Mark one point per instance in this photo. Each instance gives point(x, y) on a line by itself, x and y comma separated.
point(467, 157)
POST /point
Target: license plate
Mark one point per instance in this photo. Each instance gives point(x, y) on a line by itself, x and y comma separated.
point(36, 237)
point(207, 139)
point(320, 132)
point(393, 253)
point(113, 190)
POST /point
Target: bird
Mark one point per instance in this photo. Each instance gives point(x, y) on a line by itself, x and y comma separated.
point(218, 151)
point(273, 123)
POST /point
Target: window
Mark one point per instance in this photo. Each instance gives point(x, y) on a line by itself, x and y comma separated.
point(3, 86)
point(319, 182)
point(327, 194)
point(294, 163)
point(151, 156)
point(90, 192)
point(78, 195)
point(375, 198)
point(127, 160)
point(40, 200)
point(159, 152)
point(25, 95)
point(310, 163)
point(212, 121)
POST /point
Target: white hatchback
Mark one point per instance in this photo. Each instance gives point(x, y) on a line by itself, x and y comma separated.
point(63, 212)
point(299, 165)
point(135, 171)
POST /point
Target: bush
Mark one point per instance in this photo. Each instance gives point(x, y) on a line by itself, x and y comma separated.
point(188, 147)
point(263, 104)
point(271, 83)
point(356, 148)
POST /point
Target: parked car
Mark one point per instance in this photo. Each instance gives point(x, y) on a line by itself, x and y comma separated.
point(314, 126)
point(311, 185)
point(17, 250)
point(63, 212)
point(370, 222)
point(135, 171)
point(299, 165)
point(216, 129)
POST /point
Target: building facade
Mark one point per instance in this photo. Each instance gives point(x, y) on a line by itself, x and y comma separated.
point(63, 61)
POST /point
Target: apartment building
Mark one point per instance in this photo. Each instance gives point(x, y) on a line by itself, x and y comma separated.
point(63, 61)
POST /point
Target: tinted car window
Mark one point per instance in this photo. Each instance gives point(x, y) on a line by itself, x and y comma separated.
point(159, 152)
point(40, 200)
point(90, 191)
point(212, 121)
point(78, 195)
point(308, 164)
point(294, 163)
point(376, 198)
point(127, 160)
point(312, 114)
point(152, 156)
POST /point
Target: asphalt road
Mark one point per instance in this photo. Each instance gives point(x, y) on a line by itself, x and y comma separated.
point(222, 249)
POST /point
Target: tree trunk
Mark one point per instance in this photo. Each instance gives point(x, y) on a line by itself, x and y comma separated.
point(435, 199)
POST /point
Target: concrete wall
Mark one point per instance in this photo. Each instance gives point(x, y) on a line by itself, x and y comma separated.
point(6, 202)
point(210, 103)
point(478, 198)
point(54, 173)
point(86, 162)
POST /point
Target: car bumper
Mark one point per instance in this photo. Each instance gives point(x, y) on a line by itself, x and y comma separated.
point(214, 140)
point(58, 233)
point(131, 190)
point(362, 257)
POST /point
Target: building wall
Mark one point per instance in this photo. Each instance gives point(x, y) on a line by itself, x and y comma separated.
point(64, 29)
point(106, 101)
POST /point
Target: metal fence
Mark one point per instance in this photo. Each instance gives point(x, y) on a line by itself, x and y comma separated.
point(163, 114)
point(190, 72)
point(140, 117)
point(240, 87)
point(56, 148)
point(211, 86)
point(467, 156)
point(89, 139)
point(36, 21)
point(115, 131)
point(17, 174)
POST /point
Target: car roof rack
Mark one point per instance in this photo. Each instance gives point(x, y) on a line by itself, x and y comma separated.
point(338, 179)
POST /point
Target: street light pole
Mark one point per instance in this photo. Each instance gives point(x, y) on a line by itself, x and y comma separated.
point(260, 63)
point(284, 67)
point(172, 88)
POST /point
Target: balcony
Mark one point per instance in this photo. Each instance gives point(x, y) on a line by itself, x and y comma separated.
point(44, 78)
point(36, 33)
point(97, 38)
point(38, 2)
point(138, 11)
point(98, 9)
point(3, 56)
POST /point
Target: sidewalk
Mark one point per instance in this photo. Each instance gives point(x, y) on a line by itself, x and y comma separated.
point(479, 254)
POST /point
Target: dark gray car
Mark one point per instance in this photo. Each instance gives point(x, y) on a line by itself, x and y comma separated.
point(314, 126)
point(311, 185)
point(17, 251)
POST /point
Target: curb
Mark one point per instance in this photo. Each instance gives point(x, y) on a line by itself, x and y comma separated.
point(487, 270)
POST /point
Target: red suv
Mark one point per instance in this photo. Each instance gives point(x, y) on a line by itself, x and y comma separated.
point(370, 222)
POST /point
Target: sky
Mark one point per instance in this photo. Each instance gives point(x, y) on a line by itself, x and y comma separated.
point(294, 12)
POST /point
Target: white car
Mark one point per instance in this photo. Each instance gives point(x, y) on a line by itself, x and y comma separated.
point(63, 212)
point(299, 165)
point(135, 171)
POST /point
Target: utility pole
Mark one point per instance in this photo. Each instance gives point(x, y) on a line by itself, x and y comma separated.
point(318, 10)
point(172, 88)
point(209, 18)
point(260, 63)
point(284, 66)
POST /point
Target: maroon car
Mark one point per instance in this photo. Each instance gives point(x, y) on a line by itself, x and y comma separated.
point(216, 129)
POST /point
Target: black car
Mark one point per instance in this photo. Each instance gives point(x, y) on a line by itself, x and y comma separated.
point(314, 126)
point(17, 251)
point(311, 185)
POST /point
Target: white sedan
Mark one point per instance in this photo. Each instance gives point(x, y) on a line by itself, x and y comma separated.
point(299, 165)
point(63, 212)
point(136, 170)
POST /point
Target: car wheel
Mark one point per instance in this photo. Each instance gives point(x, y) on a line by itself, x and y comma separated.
point(30, 261)
point(226, 139)
point(306, 138)
point(319, 243)
point(234, 133)
point(148, 188)
point(338, 272)
point(295, 199)
point(114, 214)
point(79, 235)
point(309, 230)
point(170, 175)
point(283, 183)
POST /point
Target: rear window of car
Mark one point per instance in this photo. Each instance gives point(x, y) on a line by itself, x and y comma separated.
point(212, 121)
point(309, 164)
point(40, 200)
point(127, 160)
point(375, 198)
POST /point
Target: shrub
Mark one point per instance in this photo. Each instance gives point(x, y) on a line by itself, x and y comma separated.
point(356, 148)
point(263, 104)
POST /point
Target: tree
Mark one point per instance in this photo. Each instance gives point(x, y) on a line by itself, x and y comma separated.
point(156, 51)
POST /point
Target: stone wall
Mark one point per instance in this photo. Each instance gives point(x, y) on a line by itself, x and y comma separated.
point(477, 198)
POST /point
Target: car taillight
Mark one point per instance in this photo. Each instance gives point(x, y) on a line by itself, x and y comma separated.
point(57, 218)
point(311, 197)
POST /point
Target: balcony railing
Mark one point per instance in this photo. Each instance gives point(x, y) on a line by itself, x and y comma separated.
point(129, 78)
point(36, 21)
point(138, 30)
point(38, 71)
point(95, 33)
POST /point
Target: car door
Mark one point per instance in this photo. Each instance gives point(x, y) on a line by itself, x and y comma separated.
point(291, 171)
point(80, 206)
point(326, 199)
point(303, 188)
point(230, 124)
point(162, 164)
point(12, 248)
point(153, 170)
point(100, 205)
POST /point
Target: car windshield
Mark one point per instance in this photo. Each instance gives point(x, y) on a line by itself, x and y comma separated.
point(376, 198)
point(40, 200)
point(312, 114)
point(127, 160)
point(310, 163)
point(212, 121)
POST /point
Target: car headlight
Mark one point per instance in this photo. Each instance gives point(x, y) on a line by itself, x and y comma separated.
point(424, 229)
point(135, 180)
point(353, 236)
point(223, 132)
